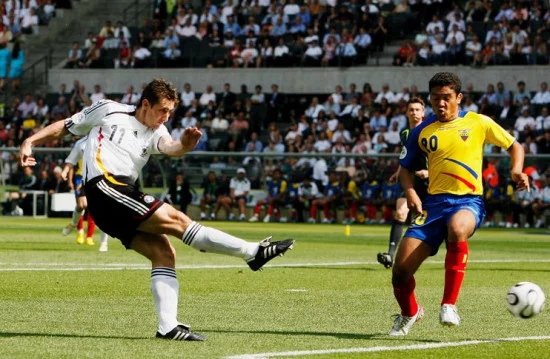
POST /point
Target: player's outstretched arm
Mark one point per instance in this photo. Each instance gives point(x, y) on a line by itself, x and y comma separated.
point(517, 155)
point(49, 133)
point(66, 170)
point(188, 141)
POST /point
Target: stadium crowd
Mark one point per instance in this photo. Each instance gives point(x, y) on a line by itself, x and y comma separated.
point(344, 122)
point(263, 33)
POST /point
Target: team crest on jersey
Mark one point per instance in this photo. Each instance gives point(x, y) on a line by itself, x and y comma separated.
point(464, 134)
point(143, 152)
point(135, 134)
point(148, 199)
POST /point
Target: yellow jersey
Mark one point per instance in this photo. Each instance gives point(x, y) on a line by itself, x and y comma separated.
point(455, 151)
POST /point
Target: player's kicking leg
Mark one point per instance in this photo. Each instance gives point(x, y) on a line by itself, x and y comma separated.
point(410, 255)
point(401, 212)
point(168, 220)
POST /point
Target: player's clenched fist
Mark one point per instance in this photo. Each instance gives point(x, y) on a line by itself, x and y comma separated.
point(190, 138)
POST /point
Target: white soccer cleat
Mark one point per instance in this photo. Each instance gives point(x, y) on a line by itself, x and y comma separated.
point(267, 218)
point(403, 323)
point(449, 315)
point(254, 218)
point(68, 229)
point(104, 247)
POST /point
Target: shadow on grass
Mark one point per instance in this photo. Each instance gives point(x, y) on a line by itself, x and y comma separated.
point(67, 335)
point(360, 336)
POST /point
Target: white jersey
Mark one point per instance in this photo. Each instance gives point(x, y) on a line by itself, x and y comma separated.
point(75, 157)
point(118, 144)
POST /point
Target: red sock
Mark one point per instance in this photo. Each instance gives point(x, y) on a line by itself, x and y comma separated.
point(353, 210)
point(313, 211)
point(91, 226)
point(455, 265)
point(325, 211)
point(404, 293)
point(509, 218)
point(270, 209)
point(80, 224)
point(257, 209)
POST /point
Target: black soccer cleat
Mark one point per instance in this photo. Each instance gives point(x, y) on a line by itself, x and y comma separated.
point(269, 250)
point(182, 332)
point(385, 259)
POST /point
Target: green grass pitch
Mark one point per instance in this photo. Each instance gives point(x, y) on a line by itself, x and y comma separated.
point(325, 299)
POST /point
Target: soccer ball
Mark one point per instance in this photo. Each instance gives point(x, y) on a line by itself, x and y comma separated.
point(525, 300)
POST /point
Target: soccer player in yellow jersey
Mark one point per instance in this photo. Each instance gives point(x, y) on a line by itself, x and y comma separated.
point(453, 142)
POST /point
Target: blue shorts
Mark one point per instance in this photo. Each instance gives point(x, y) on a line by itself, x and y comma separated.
point(78, 186)
point(431, 226)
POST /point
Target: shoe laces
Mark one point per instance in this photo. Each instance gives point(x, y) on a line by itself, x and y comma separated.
point(400, 321)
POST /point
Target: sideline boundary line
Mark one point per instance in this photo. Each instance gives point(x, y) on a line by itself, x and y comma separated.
point(17, 267)
point(384, 348)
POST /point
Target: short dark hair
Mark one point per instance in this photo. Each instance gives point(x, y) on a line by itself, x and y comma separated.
point(449, 79)
point(416, 100)
point(521, 83)
point(157, 90)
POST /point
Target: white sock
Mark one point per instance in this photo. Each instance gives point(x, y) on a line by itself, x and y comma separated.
point(165, 287)
point(103, 237)
point(76, 216)
point(207, 239)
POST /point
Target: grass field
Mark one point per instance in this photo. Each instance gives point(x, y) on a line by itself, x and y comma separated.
point(327, 298)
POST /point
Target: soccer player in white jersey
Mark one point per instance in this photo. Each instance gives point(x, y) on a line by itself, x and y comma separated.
point(72, 172)
point(121, 139)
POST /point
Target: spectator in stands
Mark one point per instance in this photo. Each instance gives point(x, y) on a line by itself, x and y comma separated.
point(130, 97)
point(61, 109)
point(74, 58)
point(27, 107)
point(525, 123)
point(543, 120)
point(313, 54)
point(104, 30)
point(385, 93)
point(211, 191)
point(239, 189)
point(329, 51)
point(542, 97)
point(122, 29)
point(97, 95)
point(41, 110)
point(406, 55)
point(141, 56)
point(346, 51)
point(28, 20)
point(473, 51)
point(490, 95)
point(207, 96)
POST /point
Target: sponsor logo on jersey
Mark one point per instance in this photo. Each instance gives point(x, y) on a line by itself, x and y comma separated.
point(143, 152)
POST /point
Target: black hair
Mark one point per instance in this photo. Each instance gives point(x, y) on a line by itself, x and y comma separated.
point(449, 79)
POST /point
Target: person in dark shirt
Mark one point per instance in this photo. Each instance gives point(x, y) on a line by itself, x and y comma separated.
point(211, 190)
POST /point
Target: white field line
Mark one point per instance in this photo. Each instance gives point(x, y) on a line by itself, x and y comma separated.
point(13, 267)
point(303, 353)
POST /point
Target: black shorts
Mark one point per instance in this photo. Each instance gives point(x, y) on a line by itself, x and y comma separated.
point(119, 210)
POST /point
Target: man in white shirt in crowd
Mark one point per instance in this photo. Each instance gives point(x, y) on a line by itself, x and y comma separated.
point(207, 96)
point(187, 95)
point(542, 97)
point(130, 97)
point(525, 122)
point(385, 93)
point(97, 95)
